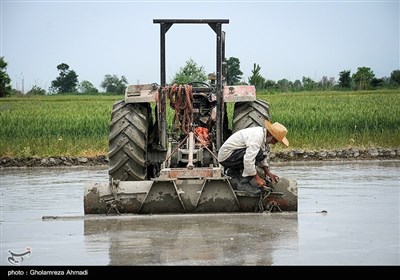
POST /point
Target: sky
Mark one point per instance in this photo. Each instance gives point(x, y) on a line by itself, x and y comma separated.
point(287, 39)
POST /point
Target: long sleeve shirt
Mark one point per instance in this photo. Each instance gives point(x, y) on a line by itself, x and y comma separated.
point(253, 139)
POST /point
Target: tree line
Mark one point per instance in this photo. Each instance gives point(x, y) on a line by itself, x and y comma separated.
point(67, 80)
point(363, 79)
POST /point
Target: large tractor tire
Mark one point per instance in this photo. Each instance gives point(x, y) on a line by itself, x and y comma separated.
point(128, 141)
point(249, 114)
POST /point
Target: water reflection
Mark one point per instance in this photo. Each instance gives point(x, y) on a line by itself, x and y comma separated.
point(222, 239)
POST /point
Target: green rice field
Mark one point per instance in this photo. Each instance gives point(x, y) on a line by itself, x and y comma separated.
point(72, 125)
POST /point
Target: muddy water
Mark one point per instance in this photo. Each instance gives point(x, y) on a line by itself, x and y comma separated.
point(349, 213)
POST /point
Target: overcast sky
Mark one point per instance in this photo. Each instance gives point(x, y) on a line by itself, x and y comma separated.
point(288, 39)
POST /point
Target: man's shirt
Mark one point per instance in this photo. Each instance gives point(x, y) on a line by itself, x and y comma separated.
point(253, 139)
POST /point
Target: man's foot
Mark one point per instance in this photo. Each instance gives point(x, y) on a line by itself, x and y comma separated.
point(248, 188)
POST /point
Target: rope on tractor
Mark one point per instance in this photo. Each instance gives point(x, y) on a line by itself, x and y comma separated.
point(181, 100)
point(272, 206)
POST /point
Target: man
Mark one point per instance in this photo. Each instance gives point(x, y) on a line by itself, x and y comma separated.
point(248, 148)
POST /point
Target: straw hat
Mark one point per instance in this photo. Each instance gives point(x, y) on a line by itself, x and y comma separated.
point(278, 131)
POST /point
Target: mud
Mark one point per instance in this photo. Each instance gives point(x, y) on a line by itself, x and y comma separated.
point(285, 156)
point(348, 215)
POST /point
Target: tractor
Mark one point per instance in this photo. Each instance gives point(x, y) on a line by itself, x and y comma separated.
point(164, 140)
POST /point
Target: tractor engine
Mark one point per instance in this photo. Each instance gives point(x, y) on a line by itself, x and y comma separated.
point(194, 112)
point(204, 109)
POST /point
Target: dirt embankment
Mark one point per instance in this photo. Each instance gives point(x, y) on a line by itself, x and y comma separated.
point(293, 155)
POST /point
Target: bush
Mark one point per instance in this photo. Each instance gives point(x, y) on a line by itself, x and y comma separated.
point(36, 90)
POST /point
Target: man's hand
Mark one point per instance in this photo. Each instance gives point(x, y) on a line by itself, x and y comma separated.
point(260, 181)
point(274, 178)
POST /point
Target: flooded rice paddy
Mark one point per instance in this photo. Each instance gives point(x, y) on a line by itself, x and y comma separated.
point(348, 214)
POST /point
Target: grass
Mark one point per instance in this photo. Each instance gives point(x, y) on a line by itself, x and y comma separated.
point(332, 120)
point(72, 125)
point(55, 125)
